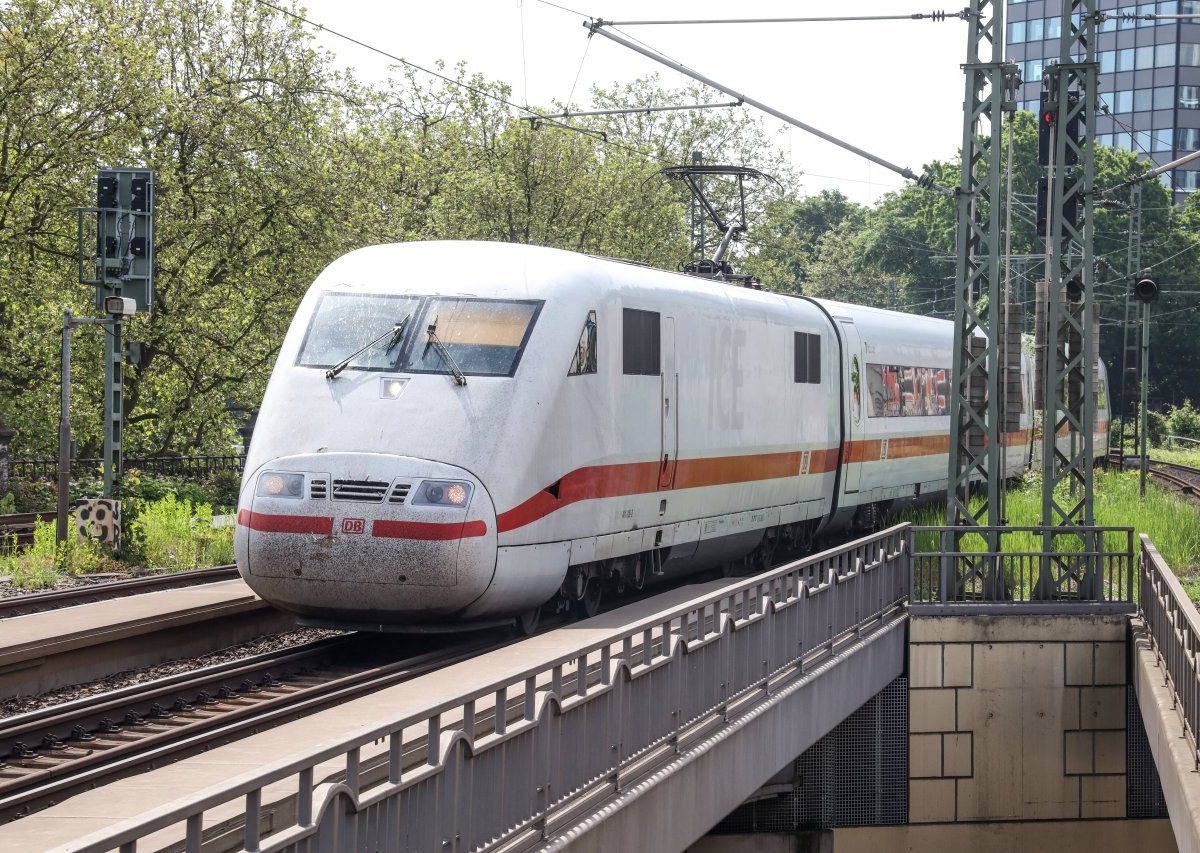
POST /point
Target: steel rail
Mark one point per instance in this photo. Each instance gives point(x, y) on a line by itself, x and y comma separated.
point(19, 605)
point(61, 767)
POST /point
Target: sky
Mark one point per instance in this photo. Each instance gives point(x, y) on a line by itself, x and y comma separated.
point(894, 88)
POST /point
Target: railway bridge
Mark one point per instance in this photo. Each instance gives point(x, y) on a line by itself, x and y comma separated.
point(856, 699)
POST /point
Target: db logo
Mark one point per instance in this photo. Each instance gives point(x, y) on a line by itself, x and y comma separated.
point(354, 525)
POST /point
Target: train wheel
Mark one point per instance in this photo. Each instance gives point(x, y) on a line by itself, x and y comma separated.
point(589, 605)
point(528, 622)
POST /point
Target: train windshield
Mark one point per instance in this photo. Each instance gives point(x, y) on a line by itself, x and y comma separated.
point(344, 322)
point(483, 337)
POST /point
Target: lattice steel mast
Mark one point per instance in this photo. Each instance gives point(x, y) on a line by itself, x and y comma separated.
point(1068, 371)
point(976, 421)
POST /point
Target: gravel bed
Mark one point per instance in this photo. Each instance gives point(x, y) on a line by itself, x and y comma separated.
point(261, 645)
point(7, 590)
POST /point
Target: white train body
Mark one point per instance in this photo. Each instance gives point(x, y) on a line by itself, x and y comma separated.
point(617, 424)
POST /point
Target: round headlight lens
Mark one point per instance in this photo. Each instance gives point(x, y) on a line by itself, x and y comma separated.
point(456, 495)
point(274, 485)
point(434, 493)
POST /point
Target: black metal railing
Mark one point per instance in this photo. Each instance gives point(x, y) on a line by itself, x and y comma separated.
point(1080, 569)
point(170, 466)
point(1174, 627)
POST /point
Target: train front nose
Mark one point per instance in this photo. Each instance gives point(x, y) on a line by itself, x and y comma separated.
point(358, 538)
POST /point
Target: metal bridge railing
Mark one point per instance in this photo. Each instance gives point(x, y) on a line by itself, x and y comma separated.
point(1174, 628)
point(1089, 569)
point(454, 774)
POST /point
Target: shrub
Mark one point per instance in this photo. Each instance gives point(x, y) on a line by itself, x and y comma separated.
point(1183, 420)
point(175, 534)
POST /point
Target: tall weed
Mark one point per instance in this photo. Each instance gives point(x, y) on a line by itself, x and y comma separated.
point(175, 534)
point(47, 561)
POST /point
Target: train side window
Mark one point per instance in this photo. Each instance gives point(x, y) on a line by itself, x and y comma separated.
point(807, 358)
point(640, 343)
point(585, 351)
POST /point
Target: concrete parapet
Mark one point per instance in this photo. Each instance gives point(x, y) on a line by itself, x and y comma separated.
point(1171, 749)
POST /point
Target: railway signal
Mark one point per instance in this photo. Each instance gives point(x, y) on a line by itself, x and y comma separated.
point(116, 256)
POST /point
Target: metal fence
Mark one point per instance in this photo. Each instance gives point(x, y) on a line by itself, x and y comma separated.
point(1174, 627)
point(493, 762)
point(1030, 569)
point(170, 466)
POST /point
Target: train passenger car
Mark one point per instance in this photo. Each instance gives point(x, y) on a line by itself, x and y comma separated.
point(459, 433)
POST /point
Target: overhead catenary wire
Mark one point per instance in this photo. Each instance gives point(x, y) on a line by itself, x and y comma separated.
point(597, 26)
point(483, 93)
point(916, 16)
point(630, 111)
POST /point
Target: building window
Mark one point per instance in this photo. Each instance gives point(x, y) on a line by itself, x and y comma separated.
point(1189, 97)
point(584, 360)
point(1187, 180)
point(1053, 27)
point(1189, 7)
point(1161, 139)
point(1123, 101)
point(1125, 59)
point(1033, 29)
point(807, 358)
point(1142, 100)
point(1164, 97)
point(1168, 8)
point(1189, 54)
point(1123, 140)
point(1016, 32)
point(1108, 61)
point(1143, 57)
point(1141, 139)
point(1187, 138)
point(640, 346)
point(1145, 9)
point(1164, 55)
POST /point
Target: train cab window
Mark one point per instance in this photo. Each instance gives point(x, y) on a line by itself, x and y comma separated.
point(640, 343)
point(584, 360)
point(485, 337)
point(344, 322)
point(807, 358)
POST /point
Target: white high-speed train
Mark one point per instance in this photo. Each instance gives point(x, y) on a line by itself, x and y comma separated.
point(464, 433)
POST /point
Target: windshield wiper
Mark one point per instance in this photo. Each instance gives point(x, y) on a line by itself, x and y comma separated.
point(432, 340)
point(397, 333)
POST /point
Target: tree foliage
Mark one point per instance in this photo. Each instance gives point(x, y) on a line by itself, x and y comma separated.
point(269, 164)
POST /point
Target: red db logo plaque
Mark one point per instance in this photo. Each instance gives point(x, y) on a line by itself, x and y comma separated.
point(354, 525)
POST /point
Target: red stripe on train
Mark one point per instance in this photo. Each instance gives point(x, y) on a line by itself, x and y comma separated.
point(430, 531)
point(265, 523)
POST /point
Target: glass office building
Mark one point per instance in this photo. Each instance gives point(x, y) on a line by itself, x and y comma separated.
point(1149, 77)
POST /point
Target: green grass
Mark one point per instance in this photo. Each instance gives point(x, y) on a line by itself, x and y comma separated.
point(1177, 455)
point(1171, 523)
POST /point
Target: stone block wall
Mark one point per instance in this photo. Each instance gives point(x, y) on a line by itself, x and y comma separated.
point(1016, 718)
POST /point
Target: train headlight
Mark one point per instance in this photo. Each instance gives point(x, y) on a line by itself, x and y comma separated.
point(443, 493)
point(279, 484)
point(390, 388)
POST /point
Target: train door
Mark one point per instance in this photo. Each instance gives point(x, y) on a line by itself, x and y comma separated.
point(854, 382)
point(670, 407)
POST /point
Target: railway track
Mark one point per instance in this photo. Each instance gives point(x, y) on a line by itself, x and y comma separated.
point(21, 525)
point(37, 602)
point(1180, 478)
point(49, 754)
